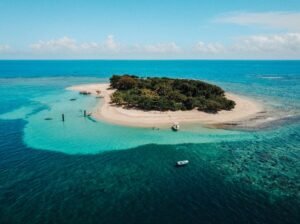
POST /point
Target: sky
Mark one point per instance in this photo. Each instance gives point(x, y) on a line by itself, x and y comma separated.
point(149, 29)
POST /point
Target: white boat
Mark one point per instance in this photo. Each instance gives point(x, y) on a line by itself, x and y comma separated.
point(175, 127)
point(182, 163)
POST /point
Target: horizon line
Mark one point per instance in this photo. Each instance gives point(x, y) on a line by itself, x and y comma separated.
point(134, 59)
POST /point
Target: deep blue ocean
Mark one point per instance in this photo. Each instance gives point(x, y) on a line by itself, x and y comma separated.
point(87, 171)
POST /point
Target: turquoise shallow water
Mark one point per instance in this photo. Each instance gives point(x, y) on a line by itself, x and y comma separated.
point(80, 135)
point(82, 171)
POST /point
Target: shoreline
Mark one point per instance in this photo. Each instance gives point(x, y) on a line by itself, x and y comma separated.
point(245, 110)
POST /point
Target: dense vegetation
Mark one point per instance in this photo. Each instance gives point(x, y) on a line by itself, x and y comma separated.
point(164, 94)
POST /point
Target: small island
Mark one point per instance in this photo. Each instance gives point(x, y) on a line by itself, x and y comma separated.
point(166, 94)
point(160, 102)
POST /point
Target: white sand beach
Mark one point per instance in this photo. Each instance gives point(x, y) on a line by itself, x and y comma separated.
point(245, 109)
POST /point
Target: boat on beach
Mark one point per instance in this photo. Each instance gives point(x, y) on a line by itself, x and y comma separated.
point(84, 93)
point(175, 127)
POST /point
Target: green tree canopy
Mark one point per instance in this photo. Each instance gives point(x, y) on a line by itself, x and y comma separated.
point(168, 94)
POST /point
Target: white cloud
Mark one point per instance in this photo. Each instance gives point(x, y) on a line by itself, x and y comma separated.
point(64, 43)
point(89, 46)
point(271, 46)
point(69, 45)
point(163, 48)
point(4, 48)
point(282, 20)
point(285, 46)
point(209, 48)
point(278, 43)
point(109, 46)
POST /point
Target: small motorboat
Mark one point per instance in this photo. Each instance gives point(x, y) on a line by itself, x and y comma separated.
point(175, 127)
point(182, 163)
point(84, 93)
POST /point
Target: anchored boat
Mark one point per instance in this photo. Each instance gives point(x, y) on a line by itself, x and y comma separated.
point(182, 163)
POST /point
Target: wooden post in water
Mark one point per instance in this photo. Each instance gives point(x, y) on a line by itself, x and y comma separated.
point(62, 117)
point(84, 113)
